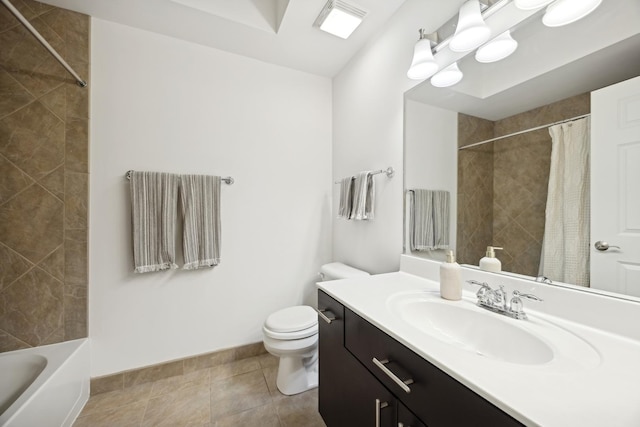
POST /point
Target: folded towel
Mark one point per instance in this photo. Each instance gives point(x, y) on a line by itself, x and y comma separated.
point(429, 220)
point(200, 196)
point(363, 196)
point(346, 198)
point(154, 205)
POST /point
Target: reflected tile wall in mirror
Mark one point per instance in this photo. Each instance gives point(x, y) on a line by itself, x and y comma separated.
point(502, 186)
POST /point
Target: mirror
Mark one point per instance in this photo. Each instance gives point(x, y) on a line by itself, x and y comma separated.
point(438, 121)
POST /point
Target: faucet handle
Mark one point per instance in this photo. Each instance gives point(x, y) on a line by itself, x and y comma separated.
point(532, 297)
point(483, 291)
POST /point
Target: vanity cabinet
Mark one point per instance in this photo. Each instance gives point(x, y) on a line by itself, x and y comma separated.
point(361, 365)
point(348, 394)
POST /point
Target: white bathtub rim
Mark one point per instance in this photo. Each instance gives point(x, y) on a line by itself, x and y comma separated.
point(58, 355)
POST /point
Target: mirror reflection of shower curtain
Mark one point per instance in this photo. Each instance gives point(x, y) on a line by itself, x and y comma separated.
point(565, 248)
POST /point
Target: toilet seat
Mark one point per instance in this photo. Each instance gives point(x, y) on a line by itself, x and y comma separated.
point(292, 319)
point(296, 335)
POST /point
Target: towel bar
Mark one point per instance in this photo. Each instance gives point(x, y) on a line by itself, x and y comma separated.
point(389, 172)
point(227, 180)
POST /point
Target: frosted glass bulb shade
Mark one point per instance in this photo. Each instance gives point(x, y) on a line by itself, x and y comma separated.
point(531, 4)
point(447, 77)
point(423, 65)
point(497, 49)
point(564, 12)
point(471, 30)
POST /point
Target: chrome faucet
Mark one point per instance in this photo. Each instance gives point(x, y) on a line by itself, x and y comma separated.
point(496, 300)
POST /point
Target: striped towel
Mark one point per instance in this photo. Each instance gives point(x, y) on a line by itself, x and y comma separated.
point(429, 220)
point(346, 198)
point(154, 206)
point(363, 196)
point(200, 196)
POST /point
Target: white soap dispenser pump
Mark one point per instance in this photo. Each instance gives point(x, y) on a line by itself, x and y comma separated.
point(450, 279)
point(490, 262)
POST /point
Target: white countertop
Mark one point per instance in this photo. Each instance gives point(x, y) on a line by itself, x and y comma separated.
point(601, 388)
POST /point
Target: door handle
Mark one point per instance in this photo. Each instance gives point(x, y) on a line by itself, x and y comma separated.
point(603, 246)
point(329, 317)
point(404, 385)
point(379, 405)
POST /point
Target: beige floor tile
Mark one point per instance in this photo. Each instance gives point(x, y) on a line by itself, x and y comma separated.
point(262, 416)
point(300, 410)
point(270, 376)
point(115, 399)
point(122, 416)
point(268, 360)
point(181, 382)
point(232, 369)
point(189, 406)
point(239, 393)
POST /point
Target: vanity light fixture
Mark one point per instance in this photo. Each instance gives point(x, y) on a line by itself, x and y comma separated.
point(339, 18)
point(564, 12)
point(471, 31)
point(447, 77)
point(423, 64)
point(497, 49)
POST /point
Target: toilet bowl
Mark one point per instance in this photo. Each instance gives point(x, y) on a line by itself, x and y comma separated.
point(292, 335)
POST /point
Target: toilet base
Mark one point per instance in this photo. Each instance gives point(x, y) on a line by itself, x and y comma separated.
point(297, 374)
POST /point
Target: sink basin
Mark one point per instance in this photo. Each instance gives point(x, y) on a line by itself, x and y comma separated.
point(462, 324)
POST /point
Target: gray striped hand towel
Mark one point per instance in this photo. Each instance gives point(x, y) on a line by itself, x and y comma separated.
point(154, 206)
point(363, 196)
point(200, 196)
point(429, 220)
point(346, 198)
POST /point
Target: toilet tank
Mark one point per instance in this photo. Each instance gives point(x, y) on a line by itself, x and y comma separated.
point(338, 270)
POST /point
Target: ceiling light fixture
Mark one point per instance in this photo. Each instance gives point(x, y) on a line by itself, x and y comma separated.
point(497, 49)
point(423, 64)
point(564, 12)
point(471, 31)
point(531, 4)
point(447, 77)
point(339, 18)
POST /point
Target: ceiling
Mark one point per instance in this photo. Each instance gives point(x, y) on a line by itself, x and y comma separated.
point(275, 31)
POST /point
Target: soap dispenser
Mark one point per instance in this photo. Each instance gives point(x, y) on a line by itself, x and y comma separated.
point(450, 281)
point(490, 262)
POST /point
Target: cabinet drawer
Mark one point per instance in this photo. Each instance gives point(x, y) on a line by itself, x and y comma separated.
point(435, 397)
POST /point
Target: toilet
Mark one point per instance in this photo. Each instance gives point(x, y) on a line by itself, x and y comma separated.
point(292, 335)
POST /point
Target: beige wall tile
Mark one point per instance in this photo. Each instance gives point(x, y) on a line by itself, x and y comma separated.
point(209, 360)
point(234, 368)
point(31, 308)
point(54, 263)
point(8, 342)
point(153, 373)
point(12, 94)
point(75, 311)
point(12, 180)
point(54, 182)
point(172, 384)
point(56, 101)
point(31, 223)
point(107, 383)
point(75, 257)
point(13, 266)
point(76, 200)
point(77, 145)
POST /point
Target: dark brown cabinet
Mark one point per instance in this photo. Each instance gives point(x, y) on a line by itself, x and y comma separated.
point(348, 394)
point(361, 365)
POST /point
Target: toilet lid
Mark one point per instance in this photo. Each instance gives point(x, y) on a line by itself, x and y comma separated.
point(292, 319)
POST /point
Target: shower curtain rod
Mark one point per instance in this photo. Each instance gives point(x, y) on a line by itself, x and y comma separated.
point(525, 131)
point(43, 42)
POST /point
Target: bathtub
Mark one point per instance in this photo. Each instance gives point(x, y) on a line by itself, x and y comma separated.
point(44, 386)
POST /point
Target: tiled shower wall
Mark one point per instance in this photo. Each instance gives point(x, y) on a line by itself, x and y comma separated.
point(44, 177)
point(509, 178)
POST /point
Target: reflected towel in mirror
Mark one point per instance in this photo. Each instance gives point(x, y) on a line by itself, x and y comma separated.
point(429, 219)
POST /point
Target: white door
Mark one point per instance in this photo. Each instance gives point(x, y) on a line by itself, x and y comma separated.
point(615, 187)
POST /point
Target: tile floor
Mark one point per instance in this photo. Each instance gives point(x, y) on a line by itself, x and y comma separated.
point(241, 393)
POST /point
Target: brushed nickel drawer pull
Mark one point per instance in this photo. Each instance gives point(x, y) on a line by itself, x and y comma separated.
point(379, 406)
point(331, 317)
point(402, 384)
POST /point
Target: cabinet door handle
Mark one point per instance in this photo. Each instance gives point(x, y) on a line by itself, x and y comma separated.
point(402, 384)
point(379, 405)
point(329, 317)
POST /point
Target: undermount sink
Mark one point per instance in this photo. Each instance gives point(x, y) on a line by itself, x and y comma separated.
point(464, 325)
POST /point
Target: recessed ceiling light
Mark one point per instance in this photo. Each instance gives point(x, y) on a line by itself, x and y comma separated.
point(339, 18)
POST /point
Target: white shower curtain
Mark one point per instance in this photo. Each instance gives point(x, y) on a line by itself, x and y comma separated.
point(565, 249)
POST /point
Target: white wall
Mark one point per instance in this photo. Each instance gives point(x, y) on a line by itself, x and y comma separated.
point(162, 104)
point(431, 158)
point(368, 133)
